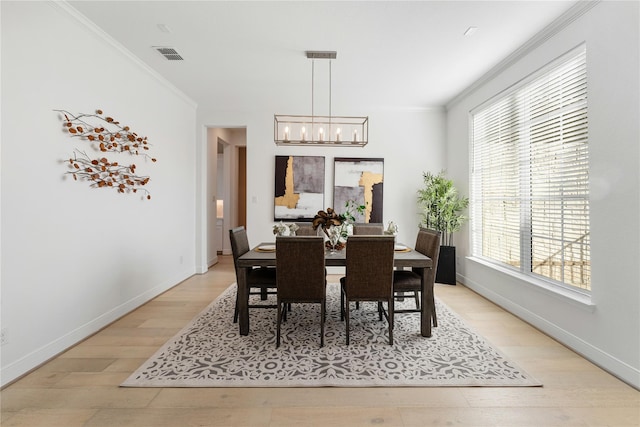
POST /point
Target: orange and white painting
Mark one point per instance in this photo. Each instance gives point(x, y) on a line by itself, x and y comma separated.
point(360, 180)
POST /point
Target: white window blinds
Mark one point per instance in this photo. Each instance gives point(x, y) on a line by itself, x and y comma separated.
point(530, 175)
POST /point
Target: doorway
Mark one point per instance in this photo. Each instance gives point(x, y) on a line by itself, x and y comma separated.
point(226, 188)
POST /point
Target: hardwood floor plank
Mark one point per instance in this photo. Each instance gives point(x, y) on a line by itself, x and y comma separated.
point(49, 418)
point(16, 399)
point(332, 416)
point(175, 417)
point(81, 386)
point(333, 397)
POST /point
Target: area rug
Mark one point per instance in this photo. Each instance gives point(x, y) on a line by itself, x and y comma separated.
point(210, 352)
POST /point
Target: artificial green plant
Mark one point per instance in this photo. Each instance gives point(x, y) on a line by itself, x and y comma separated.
point(441, 206)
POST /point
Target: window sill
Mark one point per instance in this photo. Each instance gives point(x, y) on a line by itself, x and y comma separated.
point(567, 295)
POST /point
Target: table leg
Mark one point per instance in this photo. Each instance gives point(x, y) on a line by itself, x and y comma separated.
point(243, 302)
point(427, 302)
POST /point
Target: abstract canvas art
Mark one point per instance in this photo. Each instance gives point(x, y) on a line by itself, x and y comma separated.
point(360, 180)
point(299, 187)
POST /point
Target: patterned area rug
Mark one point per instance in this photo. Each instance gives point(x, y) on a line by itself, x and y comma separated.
point(210, 352)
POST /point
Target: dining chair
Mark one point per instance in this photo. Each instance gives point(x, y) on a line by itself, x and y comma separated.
point(300, 276)
point(368, 229)
point(260, 281)
point(368, 276)
point(408, 281)
point(305, 229)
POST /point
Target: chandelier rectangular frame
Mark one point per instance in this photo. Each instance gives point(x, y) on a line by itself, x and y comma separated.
point(326, 130)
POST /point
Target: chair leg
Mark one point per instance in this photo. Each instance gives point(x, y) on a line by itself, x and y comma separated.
point(235, 312)
point(417, 298)
point(341, 304)
point(433, 314)
point(390, 309)
point(279, 320)
point(263, 294)
point(347, 319)
point(323, 309)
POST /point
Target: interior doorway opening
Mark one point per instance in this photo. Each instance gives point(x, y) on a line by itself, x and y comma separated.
point(226, 188)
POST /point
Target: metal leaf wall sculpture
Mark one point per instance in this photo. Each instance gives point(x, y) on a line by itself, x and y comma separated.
point(106, 135)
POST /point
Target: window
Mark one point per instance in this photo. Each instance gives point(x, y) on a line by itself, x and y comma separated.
point(530, 176)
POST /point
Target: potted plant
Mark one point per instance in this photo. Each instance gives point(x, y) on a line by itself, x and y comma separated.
point(441, 209)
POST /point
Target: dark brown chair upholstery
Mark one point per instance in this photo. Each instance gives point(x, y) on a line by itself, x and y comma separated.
point(260, 281)
point(368, 229)
point(305, 229)
point(369, 276)
point(301, 276)
point(408, 281)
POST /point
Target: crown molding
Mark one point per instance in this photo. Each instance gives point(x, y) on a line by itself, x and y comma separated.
point(91, 26)
point(576, 11)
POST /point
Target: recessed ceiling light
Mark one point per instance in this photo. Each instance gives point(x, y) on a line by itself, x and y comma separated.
point(471, 31)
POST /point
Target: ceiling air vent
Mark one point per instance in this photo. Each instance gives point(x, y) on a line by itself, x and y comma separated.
point(169, 53)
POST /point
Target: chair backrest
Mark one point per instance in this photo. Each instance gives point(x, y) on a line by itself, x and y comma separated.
point(368, 229)
point(428, 243)
point(239, 243)
point(305, 229)
point(369, 267)
point(300, 272)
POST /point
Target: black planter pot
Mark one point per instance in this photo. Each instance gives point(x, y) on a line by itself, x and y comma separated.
point(446, 272)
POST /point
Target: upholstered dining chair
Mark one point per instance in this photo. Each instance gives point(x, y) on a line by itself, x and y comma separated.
point(260, 281)
point(301, 276)
point(305, 229)
point(369, 276)
point(368, 229)
point(408, 281)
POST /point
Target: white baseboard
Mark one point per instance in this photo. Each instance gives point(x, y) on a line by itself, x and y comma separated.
point(609, 363)
point(213, 261)
point(36, 358)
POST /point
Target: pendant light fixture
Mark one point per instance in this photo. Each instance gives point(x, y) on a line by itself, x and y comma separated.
point(337, 131)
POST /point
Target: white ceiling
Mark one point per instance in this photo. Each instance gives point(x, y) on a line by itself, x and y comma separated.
point(241, 55)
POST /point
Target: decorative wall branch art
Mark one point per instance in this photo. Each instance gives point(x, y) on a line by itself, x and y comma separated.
point(299, 187)
point(106, 135)
point(360, 180)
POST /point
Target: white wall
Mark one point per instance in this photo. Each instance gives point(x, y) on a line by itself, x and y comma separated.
point(76, 258)
point(409, 141)
point(609, 333)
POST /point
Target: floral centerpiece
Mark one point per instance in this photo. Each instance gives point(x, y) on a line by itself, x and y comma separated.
point(337, 226)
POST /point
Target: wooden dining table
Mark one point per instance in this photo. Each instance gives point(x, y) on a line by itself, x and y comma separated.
point(406, 258)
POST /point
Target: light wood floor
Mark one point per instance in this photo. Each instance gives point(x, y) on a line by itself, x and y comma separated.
point(80, 387)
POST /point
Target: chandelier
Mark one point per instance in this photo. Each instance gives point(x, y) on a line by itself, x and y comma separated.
point(311, 130)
